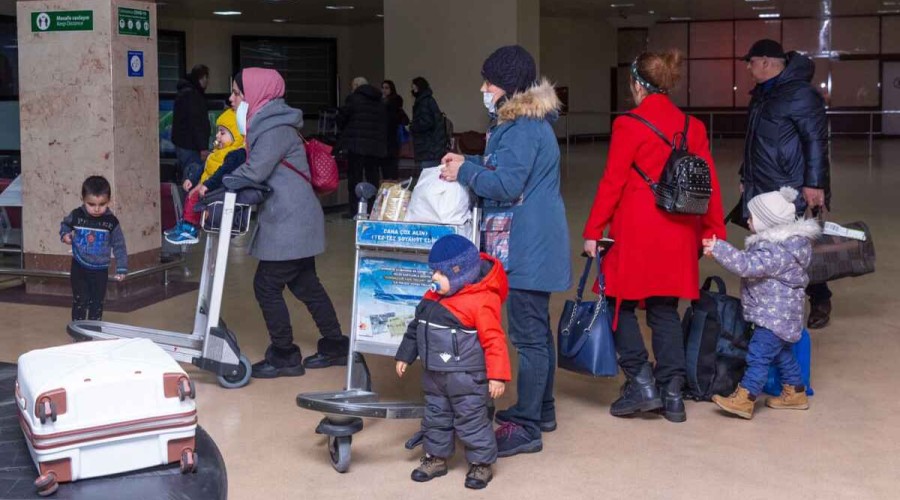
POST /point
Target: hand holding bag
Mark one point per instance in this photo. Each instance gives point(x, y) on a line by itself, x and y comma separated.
point(585, 338)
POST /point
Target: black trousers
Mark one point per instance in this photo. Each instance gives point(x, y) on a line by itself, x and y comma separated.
point(667, 338)
point(818, 293)
point(390, 167)
point(88, 292)
point(301, 279)
point(361, 168)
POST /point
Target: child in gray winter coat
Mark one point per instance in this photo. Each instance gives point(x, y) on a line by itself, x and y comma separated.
point(773, 272)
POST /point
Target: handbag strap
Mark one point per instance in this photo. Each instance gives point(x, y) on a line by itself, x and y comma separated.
point(587, 271)
point(296, 170)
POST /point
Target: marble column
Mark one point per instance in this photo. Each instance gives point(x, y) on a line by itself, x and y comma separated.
point(83, 114)
point(446, 43)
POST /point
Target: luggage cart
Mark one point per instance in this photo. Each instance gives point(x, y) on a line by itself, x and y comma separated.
point(382, 309)
point(210, 345)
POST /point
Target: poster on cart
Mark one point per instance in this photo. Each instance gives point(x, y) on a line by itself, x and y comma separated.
point(406, 235)
point(388, 291)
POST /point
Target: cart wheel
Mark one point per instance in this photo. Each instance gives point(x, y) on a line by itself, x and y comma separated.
point(46, 484)
point(339, 450)
point(188, 461)
point(239, 379)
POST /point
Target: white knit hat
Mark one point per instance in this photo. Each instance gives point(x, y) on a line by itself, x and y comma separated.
point(773, 209)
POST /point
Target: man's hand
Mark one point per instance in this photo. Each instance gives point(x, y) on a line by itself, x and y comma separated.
point(496, 388)
point(401, 368)
point(67, 238)
point(814, 197)
point(119, 277)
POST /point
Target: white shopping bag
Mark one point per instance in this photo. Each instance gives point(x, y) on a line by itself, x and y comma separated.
point(437, 201)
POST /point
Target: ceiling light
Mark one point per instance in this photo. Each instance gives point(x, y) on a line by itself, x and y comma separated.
point(886, 11)
point(227, 12)
point(621, 5)
point(279, 20)
point(678, 18)
point(340, 7)
point(890, 3)
point(379, 15)
point(752, 1)
point(764, 7)
point(651, 12)
point(770, 15)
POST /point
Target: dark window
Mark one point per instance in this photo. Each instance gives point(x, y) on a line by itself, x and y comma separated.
point(172, 65)
point(9, 59)
point(308, 65)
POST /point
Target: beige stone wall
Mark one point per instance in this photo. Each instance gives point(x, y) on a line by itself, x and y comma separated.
point(81, 115)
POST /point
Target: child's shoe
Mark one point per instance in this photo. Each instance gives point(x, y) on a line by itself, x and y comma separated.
point(431, 468)
point(739, 403)
point(176, 229)
point(479, 476)
point(791, 398)
point(187, 236)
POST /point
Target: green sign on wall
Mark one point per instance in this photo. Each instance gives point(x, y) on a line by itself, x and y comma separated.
point(64, 20)
point(134, 22)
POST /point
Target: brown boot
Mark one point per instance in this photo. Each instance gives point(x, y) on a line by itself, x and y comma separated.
point(739, 403)
point(819, 314)
point(479, 476)
point(431, 468)
point(791, 398)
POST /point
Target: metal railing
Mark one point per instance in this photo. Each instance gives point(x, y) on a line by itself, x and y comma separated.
point(711, 128)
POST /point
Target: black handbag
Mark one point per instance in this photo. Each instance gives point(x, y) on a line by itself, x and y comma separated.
point(585, 340)
point(836, 257)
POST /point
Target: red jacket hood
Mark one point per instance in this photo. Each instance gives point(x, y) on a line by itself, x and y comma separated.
point(494, 282)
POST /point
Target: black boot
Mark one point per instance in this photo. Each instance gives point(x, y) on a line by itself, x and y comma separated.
point(819, 314)
point(673, 402)
point(638, 394)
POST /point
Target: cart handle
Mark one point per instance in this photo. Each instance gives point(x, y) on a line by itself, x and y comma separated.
point(236, 183)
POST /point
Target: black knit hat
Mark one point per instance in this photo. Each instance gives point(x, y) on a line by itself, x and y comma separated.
point(511, 68)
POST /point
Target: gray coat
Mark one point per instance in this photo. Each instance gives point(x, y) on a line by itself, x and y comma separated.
point(291, 222)
point(773, 268)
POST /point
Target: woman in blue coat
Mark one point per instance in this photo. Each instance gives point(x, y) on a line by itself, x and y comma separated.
point(525, 227)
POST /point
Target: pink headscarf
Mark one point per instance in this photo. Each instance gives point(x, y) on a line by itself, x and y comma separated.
point(261, 86)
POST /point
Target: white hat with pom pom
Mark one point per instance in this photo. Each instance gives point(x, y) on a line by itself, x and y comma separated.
point(773, 209)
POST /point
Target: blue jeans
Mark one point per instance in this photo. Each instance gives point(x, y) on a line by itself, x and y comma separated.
point(767, 348)
point(191, 164)
point(530, 334)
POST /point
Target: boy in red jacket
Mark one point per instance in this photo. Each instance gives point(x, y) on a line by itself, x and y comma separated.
point(458, 335)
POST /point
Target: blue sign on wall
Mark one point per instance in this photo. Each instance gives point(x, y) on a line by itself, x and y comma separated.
point(135, 63)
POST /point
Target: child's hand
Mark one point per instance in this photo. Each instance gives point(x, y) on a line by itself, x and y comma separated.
point(67, 238)
point(187, 185)
point(708, 245)
point(119, 277)
point(401, 368)
point(496, 388)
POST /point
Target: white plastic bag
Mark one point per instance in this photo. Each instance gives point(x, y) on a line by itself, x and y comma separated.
point(436, 201)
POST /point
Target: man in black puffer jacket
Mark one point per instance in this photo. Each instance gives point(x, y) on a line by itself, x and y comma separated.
point(428, 129)
point(363, 127)
point(787, 142)
point(191, 129)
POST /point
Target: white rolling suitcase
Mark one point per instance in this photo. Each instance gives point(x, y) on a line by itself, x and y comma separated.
point(97, 408)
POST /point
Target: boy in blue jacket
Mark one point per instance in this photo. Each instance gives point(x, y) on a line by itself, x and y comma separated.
point(94, 233)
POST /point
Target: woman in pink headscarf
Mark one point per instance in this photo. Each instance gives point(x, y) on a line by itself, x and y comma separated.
point(291, 228)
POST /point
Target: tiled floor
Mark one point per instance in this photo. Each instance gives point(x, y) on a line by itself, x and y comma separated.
point(846, 446)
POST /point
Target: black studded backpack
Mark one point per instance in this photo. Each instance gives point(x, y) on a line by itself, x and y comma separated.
point(685, 185)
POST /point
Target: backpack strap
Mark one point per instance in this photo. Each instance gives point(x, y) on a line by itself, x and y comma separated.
point(652, 127)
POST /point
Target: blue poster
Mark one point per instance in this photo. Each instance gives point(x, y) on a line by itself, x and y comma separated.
point(400, 234)
point(388, 291)
point(135, 63)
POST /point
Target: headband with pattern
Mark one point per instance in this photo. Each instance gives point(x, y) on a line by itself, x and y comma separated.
point(653, 89)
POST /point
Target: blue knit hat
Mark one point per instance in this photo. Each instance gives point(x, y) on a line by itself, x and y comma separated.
point(511, 68)
point(458, 259)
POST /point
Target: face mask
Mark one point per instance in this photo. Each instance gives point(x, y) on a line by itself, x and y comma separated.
point(242, 110)
point(489, 102)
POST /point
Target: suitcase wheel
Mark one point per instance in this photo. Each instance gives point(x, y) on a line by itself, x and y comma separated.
point(46, 484)
point(47, 409)
point(186, 389)
point(188, 461)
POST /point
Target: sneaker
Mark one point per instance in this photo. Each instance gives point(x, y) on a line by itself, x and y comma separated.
point(430, 468)
point(479, 476)
point(791, 398)
point(188, 236)
point(177, 228)
point(513, 439)
point(502, 417)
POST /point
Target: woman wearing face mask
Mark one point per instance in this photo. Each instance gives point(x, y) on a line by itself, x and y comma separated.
point(655, 258)
point(396, 118)
point(525, 221)
point(291, 228)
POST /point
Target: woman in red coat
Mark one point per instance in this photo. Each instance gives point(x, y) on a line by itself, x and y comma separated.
point(655, 257)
